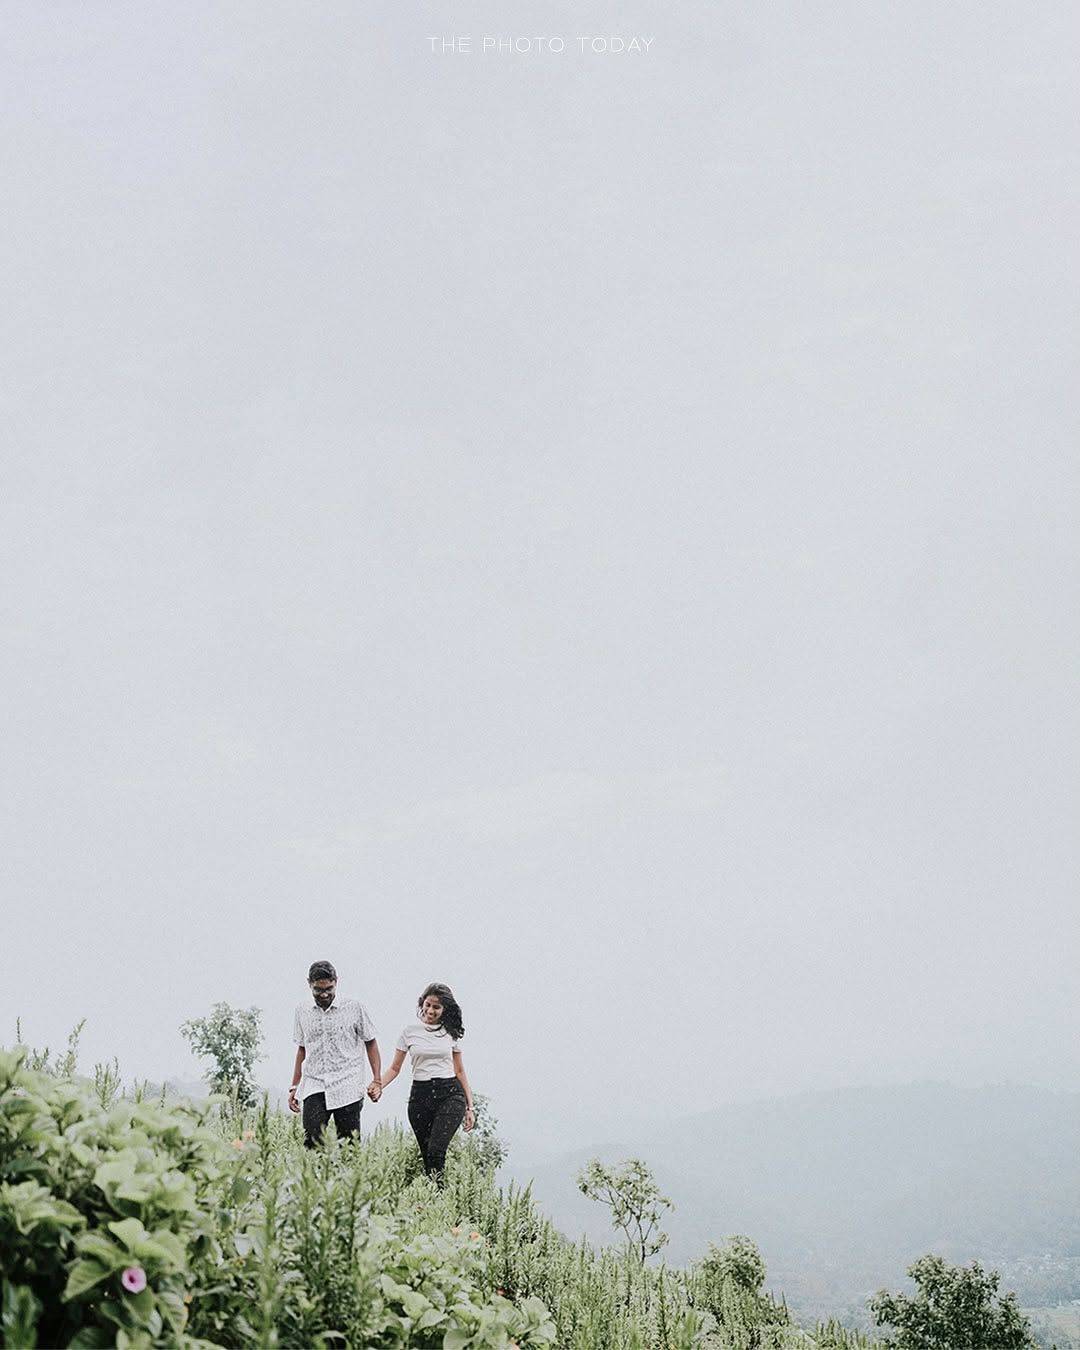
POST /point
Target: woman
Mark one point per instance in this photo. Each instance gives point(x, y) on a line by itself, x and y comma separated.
point(441, 1097)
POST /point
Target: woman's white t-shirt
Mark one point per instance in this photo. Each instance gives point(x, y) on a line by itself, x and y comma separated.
point(431, 1050)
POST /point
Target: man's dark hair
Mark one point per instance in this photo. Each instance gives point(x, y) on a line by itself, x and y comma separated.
point(321, 970)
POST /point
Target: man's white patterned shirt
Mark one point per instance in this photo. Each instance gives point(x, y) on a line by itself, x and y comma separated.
point(335, 1060)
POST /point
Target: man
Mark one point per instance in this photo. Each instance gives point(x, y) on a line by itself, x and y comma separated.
point(332, 1037)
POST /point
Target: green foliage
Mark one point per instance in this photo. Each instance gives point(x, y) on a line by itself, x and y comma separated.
point(830, 1335)
point(231, 1038)
point(598, 1300)
point(138, 1222)
point(107, 1083)
point(954, 1307)
point(95, 1202)
point(43, 1059)
point(135, 1224)
point(634, 1199)
point(729, 1283)
point(739, 1262)
point(337, 1246)
point(19, 1313)
point(488, 1148)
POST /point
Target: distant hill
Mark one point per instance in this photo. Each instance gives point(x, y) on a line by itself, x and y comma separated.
point(842, 1189)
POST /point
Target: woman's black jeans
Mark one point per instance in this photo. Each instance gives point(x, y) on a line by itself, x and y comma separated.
point(436, 1109)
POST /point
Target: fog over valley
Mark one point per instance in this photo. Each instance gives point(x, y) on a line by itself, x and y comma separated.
point(595, 527)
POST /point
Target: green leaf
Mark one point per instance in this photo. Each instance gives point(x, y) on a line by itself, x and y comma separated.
point(33, 1205)
point(133, 1193)
point(90, 1338)
point(392, 1289)
point(84, 1275)
point(173, 1308)
point(129, 1231)
point(115, 1172)
point(140, 1306)
point(17, 1165)
point(18, 1320)
point(98, 1247)
point(415, 1304)
point(170, 1246)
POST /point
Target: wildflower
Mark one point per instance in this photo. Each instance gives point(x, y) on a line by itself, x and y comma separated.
point(455, 1231)
point(249, 1134)
point(238, 1143)
point(473, 1237)
point(134, 1279)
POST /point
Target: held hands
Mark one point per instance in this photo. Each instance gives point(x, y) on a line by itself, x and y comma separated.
point(374, 1089)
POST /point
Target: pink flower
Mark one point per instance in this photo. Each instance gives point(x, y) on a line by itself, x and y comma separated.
point(134, 1279)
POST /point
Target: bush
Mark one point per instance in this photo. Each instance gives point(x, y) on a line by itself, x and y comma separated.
point(103, 1212)
point(134, 1224)
point(350, 1245)
point(953, 1306)
point(231, 1038)
point(729, 1283)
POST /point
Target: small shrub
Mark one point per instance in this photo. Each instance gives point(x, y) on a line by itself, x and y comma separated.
point(104, 1216)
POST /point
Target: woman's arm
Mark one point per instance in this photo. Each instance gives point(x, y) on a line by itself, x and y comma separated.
point(459, 1070)
point(394, 1069)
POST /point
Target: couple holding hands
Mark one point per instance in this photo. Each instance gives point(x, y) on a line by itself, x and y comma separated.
point(335, 1035)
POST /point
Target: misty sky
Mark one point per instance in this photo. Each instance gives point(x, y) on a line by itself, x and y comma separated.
point(595, 528)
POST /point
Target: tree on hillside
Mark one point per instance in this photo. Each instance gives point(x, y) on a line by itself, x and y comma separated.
point(954, 1306)
point(729, 1283)
point(634, 1199)
point(231, 1038)
point(738, 1261)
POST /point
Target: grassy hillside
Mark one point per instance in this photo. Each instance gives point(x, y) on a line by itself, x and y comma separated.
point(137, 1223)
point(842, 1190)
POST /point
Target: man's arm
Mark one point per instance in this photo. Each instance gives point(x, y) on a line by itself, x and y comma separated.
point(375, 1060)
point(298, 1068)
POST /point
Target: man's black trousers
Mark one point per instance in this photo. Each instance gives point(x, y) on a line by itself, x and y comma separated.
point(317, 1117)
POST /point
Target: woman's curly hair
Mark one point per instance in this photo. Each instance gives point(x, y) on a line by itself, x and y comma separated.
point(451, 1012)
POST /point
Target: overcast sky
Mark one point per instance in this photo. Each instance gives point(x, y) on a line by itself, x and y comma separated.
point(596, 527)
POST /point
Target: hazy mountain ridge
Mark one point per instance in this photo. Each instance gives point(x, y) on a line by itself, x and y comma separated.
point(843, 1189)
